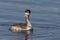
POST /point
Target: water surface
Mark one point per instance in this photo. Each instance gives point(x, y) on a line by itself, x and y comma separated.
point(45, 18)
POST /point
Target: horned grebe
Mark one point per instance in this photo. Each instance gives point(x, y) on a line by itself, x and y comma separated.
point(20, 27)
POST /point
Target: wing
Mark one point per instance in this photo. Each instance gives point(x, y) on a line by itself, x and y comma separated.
point(22, 25)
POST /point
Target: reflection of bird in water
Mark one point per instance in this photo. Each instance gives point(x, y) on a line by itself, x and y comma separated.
point(23, 27)
point(27, 36)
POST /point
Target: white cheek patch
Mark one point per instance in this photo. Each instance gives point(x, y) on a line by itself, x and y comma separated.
point(26, 13)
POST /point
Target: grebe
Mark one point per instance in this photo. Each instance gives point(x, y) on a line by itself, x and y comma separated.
point(20, 27)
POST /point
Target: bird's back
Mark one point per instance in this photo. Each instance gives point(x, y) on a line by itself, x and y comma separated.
point(18, 27)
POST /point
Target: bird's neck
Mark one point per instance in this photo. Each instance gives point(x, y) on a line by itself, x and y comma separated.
point(27, 21)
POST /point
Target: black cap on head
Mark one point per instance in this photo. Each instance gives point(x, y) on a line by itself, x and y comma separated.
point(27, 10)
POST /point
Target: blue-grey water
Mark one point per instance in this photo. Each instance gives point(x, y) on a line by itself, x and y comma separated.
point(45, 18)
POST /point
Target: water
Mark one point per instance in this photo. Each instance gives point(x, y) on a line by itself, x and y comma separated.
point(45, 18)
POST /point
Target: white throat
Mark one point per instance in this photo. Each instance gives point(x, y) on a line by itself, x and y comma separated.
point(28, 22)
point(29, 26)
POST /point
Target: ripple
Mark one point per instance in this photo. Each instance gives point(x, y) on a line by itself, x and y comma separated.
point(45, 18)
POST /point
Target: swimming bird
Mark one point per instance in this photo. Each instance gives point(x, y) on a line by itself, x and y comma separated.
point(21, 27)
